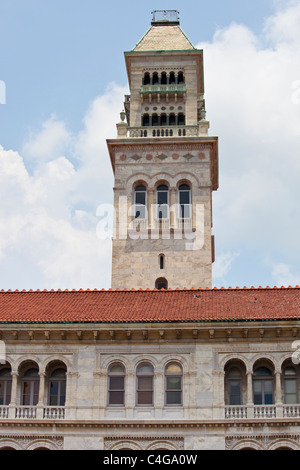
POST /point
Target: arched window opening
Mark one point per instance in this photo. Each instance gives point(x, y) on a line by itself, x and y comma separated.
point(173, 384)
point(290, 385)
point(180, 77)
point(161, 261)
point(145, 375)
point(155, 119)
point(172, 78)
point(184, 201)
point(5, 386)
point(162, 202)
point(163, 78)
point(263, 393)
point(146, 80)
point(172, 119)
point(161, 283)
point(57, 387)
point(30, 387)
point(163, 119)
point(234, 386)
point(140, 202)
point(145, 120)
point(155, 79)
point(181, 119)
point(116, 384)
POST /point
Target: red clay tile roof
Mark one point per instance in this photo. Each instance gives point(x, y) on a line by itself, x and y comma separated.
point(187, 305)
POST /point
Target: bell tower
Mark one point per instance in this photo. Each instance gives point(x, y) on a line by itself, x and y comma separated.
point(165, 166)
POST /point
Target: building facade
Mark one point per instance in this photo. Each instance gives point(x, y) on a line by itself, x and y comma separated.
point(162, 361)
point(187, 369)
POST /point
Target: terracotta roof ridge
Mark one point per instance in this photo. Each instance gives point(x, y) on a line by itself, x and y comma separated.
point(176, 289)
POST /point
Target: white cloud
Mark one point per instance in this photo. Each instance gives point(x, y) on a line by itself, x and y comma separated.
point(284, 275)
point(100, 122)
point(252, 85)
point(223, 265)
point(283, 27)
point(49, 142)
point(48, 215)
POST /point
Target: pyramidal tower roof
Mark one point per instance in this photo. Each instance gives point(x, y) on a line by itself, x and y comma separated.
point(164, 34)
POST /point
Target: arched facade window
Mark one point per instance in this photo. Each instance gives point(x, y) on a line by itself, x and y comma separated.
point(161, 283)
point(5, 385)
point(290, 381)
point(155, 79)
point(180, 77)
point(145, 120)
point(173, 384)
point(116, 384)
point(181, 119)
point(263, 386)
point(163, 79)
point(144, 386)
point(146, 80)
point(172, 119)
point(163, 119)
point(172, 79)
point(57, 387)
point(184, 192)
point(234, 386)
point(140, 201)
point(155, 120)
point(162, 200)
point(30, 387)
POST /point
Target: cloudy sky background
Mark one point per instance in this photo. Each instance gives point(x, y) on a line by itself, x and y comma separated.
point(63, 67)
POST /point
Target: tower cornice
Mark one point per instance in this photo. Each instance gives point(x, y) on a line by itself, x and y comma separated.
point(154, 145)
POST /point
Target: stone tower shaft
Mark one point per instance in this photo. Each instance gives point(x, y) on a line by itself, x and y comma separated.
point(165, 166)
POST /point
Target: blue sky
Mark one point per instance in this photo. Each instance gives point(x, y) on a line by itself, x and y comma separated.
point(63, 66)
point(56, 56)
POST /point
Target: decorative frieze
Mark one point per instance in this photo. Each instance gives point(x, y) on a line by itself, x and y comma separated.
point(262, 441)
point(144, 442)
point(31, 442)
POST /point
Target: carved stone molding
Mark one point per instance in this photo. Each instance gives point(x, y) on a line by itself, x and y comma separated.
point(26, 442)
point(122, 149)
point(262, 441)
point(144, 442)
